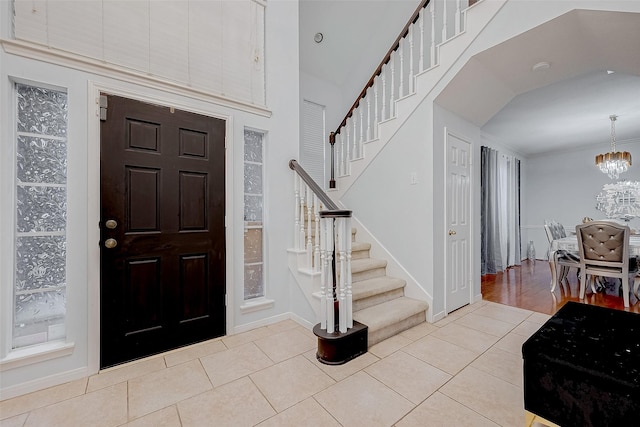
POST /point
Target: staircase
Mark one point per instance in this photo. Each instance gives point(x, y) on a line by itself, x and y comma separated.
point(378, 299)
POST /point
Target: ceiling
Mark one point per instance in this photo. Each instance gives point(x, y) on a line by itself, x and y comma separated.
point(563, 107)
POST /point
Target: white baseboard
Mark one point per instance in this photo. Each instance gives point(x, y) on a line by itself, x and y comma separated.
point(42, 383)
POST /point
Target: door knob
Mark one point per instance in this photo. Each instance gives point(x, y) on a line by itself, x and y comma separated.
point(452, 232)
point(111, 224)
point(110, 243)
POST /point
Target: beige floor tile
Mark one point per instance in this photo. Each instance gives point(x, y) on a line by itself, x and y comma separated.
point(229, 365)
point(485, 324)
point(290, 382)
point(340, 372)
point(389, 346)
point(307, 413)
point(361, 400)
point(465, 337)
point(245, 337)
point(501, 364)
point(419, 331)
point(443, 355)
point(285, 345)
point(502, 312)
point(120, 374)
point(283, 325)
point(526, 328)
point(194, 352)
point(496, 399)
point(448, 319)
point(235, 404)
point(25, 403)
point(167, 417)
point(17, 421)
point(512, 342)
point(408, 376)
point(159, 389)
point(105, 407)
point(539, 318)
point(440, 411)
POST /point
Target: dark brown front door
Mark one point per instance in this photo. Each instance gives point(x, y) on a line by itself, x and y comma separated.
point(162, 186)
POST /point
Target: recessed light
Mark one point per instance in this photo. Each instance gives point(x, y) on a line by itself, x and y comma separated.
point(541, 66)
point(318, 37)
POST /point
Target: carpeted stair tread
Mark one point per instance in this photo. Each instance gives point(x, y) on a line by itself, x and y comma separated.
point(369, 287)
point(360, 246)
point(364, 264)
point(390, 312)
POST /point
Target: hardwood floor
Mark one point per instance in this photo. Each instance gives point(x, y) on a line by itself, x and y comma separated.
point(527, 287)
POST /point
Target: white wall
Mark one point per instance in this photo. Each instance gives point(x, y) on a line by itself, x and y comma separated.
point(281, 125)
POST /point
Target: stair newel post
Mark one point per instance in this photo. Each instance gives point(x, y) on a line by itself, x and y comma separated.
point(330, 291)
point(348, 281)
point(342, 297)
point(296, 187)
point(316, 243)
point(332, 141)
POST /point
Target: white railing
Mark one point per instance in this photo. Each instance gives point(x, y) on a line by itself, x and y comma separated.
point(413, 53)
point(325, 237)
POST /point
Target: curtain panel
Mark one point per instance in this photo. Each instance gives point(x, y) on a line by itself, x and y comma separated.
point(500, 211)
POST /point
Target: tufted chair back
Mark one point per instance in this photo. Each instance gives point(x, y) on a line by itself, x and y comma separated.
point(603, 241)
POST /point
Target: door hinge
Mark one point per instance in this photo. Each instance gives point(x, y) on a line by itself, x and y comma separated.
point(103, 107)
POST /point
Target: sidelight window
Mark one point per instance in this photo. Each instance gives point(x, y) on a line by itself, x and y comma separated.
point(253, 215)
point(39, 292)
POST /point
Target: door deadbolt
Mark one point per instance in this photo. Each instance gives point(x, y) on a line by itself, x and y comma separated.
point(111, 224)
point(452, 232)
point(110, 243)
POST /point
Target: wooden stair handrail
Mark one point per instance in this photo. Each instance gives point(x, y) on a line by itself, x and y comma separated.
point(386, 59)
point(326, 200)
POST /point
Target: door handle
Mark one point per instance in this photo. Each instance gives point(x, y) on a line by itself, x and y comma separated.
point(452, 232)
point(111, 224)
point(110, 243)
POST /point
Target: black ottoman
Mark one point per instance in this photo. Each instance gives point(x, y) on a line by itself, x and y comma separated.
point(582, 367)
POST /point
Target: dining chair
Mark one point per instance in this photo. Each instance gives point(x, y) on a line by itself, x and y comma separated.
point(604, 251)
point(563, 259)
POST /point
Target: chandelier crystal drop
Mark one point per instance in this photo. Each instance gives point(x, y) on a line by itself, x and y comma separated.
point(614, 162)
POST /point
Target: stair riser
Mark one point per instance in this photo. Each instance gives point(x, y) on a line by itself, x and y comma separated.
point(360, 254)
point(395, 328)
point(363, 303)
point(368, 274)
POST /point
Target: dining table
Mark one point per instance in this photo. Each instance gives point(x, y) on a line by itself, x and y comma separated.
point(570, 243)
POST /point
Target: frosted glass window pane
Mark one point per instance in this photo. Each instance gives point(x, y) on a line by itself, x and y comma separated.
point(42, 160)
point(39, 317)
point(253, 209)
point(41, 209)
point(253, 245)
point(253, 281)
point(42, 111)
point(40, 262)
point(253, 146)
point(252, 178)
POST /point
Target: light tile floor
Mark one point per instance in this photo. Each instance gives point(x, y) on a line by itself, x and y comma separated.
point(465, 370)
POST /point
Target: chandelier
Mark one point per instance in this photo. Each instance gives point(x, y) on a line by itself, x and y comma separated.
point(620, 200)
point(614, 162)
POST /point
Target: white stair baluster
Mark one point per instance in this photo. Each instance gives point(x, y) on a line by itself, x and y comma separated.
point(376, 83)
point(348, 128)
point(392, 104)
point(421, 60)
point(345, 147)
point(433, 33)
point(316, 240)
point(411, 73)
point(296, 187)
point(361, 140)
point(444, 21)
point(368, 97)
point(384, 93)
point(458, 16)
point(301, 236)
point(310, 199)
point(401, 44)
point(323, 274)
point(354, 122)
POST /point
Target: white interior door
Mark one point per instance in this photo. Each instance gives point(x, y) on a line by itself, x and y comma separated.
point(458, 237)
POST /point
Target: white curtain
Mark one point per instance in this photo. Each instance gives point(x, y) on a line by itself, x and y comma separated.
point(500, 235)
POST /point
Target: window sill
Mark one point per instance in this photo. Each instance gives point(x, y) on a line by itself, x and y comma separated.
point(251, 306)
point(36, 354)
